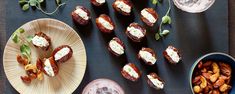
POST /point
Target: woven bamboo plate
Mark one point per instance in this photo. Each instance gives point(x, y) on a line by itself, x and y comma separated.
point(70, 74)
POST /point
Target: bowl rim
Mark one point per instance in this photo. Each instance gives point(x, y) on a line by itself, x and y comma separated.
point(199, 59)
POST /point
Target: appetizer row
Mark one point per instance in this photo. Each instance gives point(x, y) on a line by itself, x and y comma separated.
point(49, 66)
point(132, 73)
point(82, 15)
point(147, 55)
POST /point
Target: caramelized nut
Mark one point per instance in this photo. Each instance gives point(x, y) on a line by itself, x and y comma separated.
point(219, 82)
point(21, 60)
point(214, 77)
point(206, 75)
point(204, 82)
point(197, 89)
point(31, 67)
point(224, 87)
point(25, 79)
point(225, 69)
point(215, 68)
point(197, 80)
point(200, 65)
point(40, 75)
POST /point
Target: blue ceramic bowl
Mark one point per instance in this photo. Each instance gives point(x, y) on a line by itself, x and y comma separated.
point(216, 57)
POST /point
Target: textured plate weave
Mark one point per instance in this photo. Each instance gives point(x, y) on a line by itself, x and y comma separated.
point(70, 73)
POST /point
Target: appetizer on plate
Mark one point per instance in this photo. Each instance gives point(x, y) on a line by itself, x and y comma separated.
point(147, 55)
point(41, 40)
point(135, 32)
point(123, 6)
point(130, 72)
point(116, 46)
point(172, 55)
point(62, 53)
point(81, 15)
point(105, 24)
point(48, 66)
point(97, 2)
point(149, 16)
point(155, 81)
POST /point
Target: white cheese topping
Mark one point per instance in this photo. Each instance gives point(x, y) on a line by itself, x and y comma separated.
point(173, 54)
point(80, 12)
point(40, 41)
point(105, 23)
point(147, 56)
point(130, 71)
point(156, 82)
point(61, 53)
point(148, 16)
point(48, 68)
point(123, 6)
point(100, 1)
point(135, 32)
point(116, 47)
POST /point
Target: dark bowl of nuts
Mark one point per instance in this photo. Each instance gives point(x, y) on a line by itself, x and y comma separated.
point(213, 74)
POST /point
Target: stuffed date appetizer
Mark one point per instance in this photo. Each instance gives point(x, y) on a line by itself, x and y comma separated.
point(48, 66)
point(135, 32)
point(62, 53)
point(147, 55)
point(130, 72)
point(41, 40)
point(149, 16)
point(104, 23)
point(123, 6)
point(172, 55)
point(81, 15)
point(155, 81)
point(97, 2)
point(116, 46)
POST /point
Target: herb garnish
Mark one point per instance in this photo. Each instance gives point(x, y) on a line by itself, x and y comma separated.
point(18, 38)
point(166, 19)
point(37, 3)
point(154, 2)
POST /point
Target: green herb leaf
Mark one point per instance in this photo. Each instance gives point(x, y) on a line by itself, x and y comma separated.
point(166, 19)
point(22, 2)
point(29, 38)
point(154, 2)
point(40, 1)
point(20, 30)
point(165, 32)
point(25, 7)
point(15, 38)
point(33, 2)
point(25, 50)
point(157, 36)
point(58, 2)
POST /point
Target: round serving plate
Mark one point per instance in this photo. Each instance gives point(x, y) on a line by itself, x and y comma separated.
point(70, 73)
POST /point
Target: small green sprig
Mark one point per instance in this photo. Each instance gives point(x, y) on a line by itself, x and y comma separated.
point(154, 2)
point(166, 19)
point(37, 3)
point(18, 38)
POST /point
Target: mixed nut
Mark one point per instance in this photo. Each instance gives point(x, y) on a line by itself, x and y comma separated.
point(212, 77)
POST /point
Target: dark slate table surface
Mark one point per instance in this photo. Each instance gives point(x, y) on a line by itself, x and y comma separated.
point(193, 34)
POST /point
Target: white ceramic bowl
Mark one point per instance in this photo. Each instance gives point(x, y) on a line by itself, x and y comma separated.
point(193, 6)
